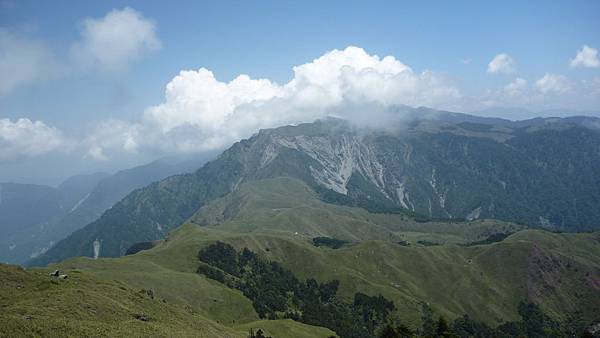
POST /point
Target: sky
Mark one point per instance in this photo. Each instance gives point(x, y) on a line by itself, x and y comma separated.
point(91, 86)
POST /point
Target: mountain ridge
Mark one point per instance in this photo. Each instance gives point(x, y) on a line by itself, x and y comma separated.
point(428, 167)
point(76, 202)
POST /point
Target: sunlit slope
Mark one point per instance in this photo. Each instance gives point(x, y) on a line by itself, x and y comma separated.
point(287, 205)
point(487, 281)
point(87, 305)
point(277, 218)
point(105, 299)
point(102, 297)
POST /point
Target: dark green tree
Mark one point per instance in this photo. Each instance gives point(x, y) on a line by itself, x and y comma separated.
point(400, 331)
point(443, 330)
point(468, 328)
point(428, 328)
point(536, 323)
point(260, 334)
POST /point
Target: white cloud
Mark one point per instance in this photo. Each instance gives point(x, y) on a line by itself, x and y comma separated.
point(108, 44)
point(548, 92)
point(516, 88)
point(97, 153)
point(502, 63)
point(553, 83)
point(113, 134)
point(25, 138)
point(111, 43)
point(586, 57)
point(23, 61)
point(203, 113)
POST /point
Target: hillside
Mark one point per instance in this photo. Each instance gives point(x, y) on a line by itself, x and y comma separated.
point(408, 261)
point(73, 204)
point(92, 304)
point(485, 281)
point(28, 213)
point(427, 168)
point(288, 206)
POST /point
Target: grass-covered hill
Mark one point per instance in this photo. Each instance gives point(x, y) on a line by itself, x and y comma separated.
point(374, 218)
point(108, 300)
point(103, 297)
point(289, 206)
point(456, 267)
point(559, 271)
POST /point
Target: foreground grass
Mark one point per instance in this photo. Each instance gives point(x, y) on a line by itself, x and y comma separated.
point(88, 304)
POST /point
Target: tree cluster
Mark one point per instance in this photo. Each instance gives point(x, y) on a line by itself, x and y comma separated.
point(277, 293)
point(333, 243)
point(534, 323)
point(259, 334)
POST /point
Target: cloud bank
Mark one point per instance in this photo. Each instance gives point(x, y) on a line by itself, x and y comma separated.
point(202, 113)
point(25, 138)
point(547, 92)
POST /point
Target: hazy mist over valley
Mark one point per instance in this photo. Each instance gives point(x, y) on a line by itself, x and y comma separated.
point(299, 169)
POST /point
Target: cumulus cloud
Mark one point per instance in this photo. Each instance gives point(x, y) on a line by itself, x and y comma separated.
point(201, 112)
point(517, 87)
point(547, 92)
point(114, 134)
point(586, 57)
point(553, 83)
point(502, 63)
point(23, 61)
point(111, 43)
point(25, 138)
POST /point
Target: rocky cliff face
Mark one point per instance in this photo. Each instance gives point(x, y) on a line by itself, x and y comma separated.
point(543, 175)
point(455, 171)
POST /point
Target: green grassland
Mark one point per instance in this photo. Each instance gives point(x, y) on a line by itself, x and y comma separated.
point(287, 205)
point(93, 303)
point(277, 219)
point(486, 281)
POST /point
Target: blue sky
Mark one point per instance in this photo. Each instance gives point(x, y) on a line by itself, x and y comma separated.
point(448, 45)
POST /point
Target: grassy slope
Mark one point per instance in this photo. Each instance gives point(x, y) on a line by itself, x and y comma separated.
point(287, 205)
point(98, 300)
point(87, 305)
point(485, 281)
point(559, 271)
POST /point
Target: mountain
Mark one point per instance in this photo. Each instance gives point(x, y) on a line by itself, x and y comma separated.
point(441, 166)
point(78, 201)
point(325, 227)
point(29, 211)
point(521, 113)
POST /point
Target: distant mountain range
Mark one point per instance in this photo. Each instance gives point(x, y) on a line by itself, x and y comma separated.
point(35, 217)
point(542, 172)
point(524, 114)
